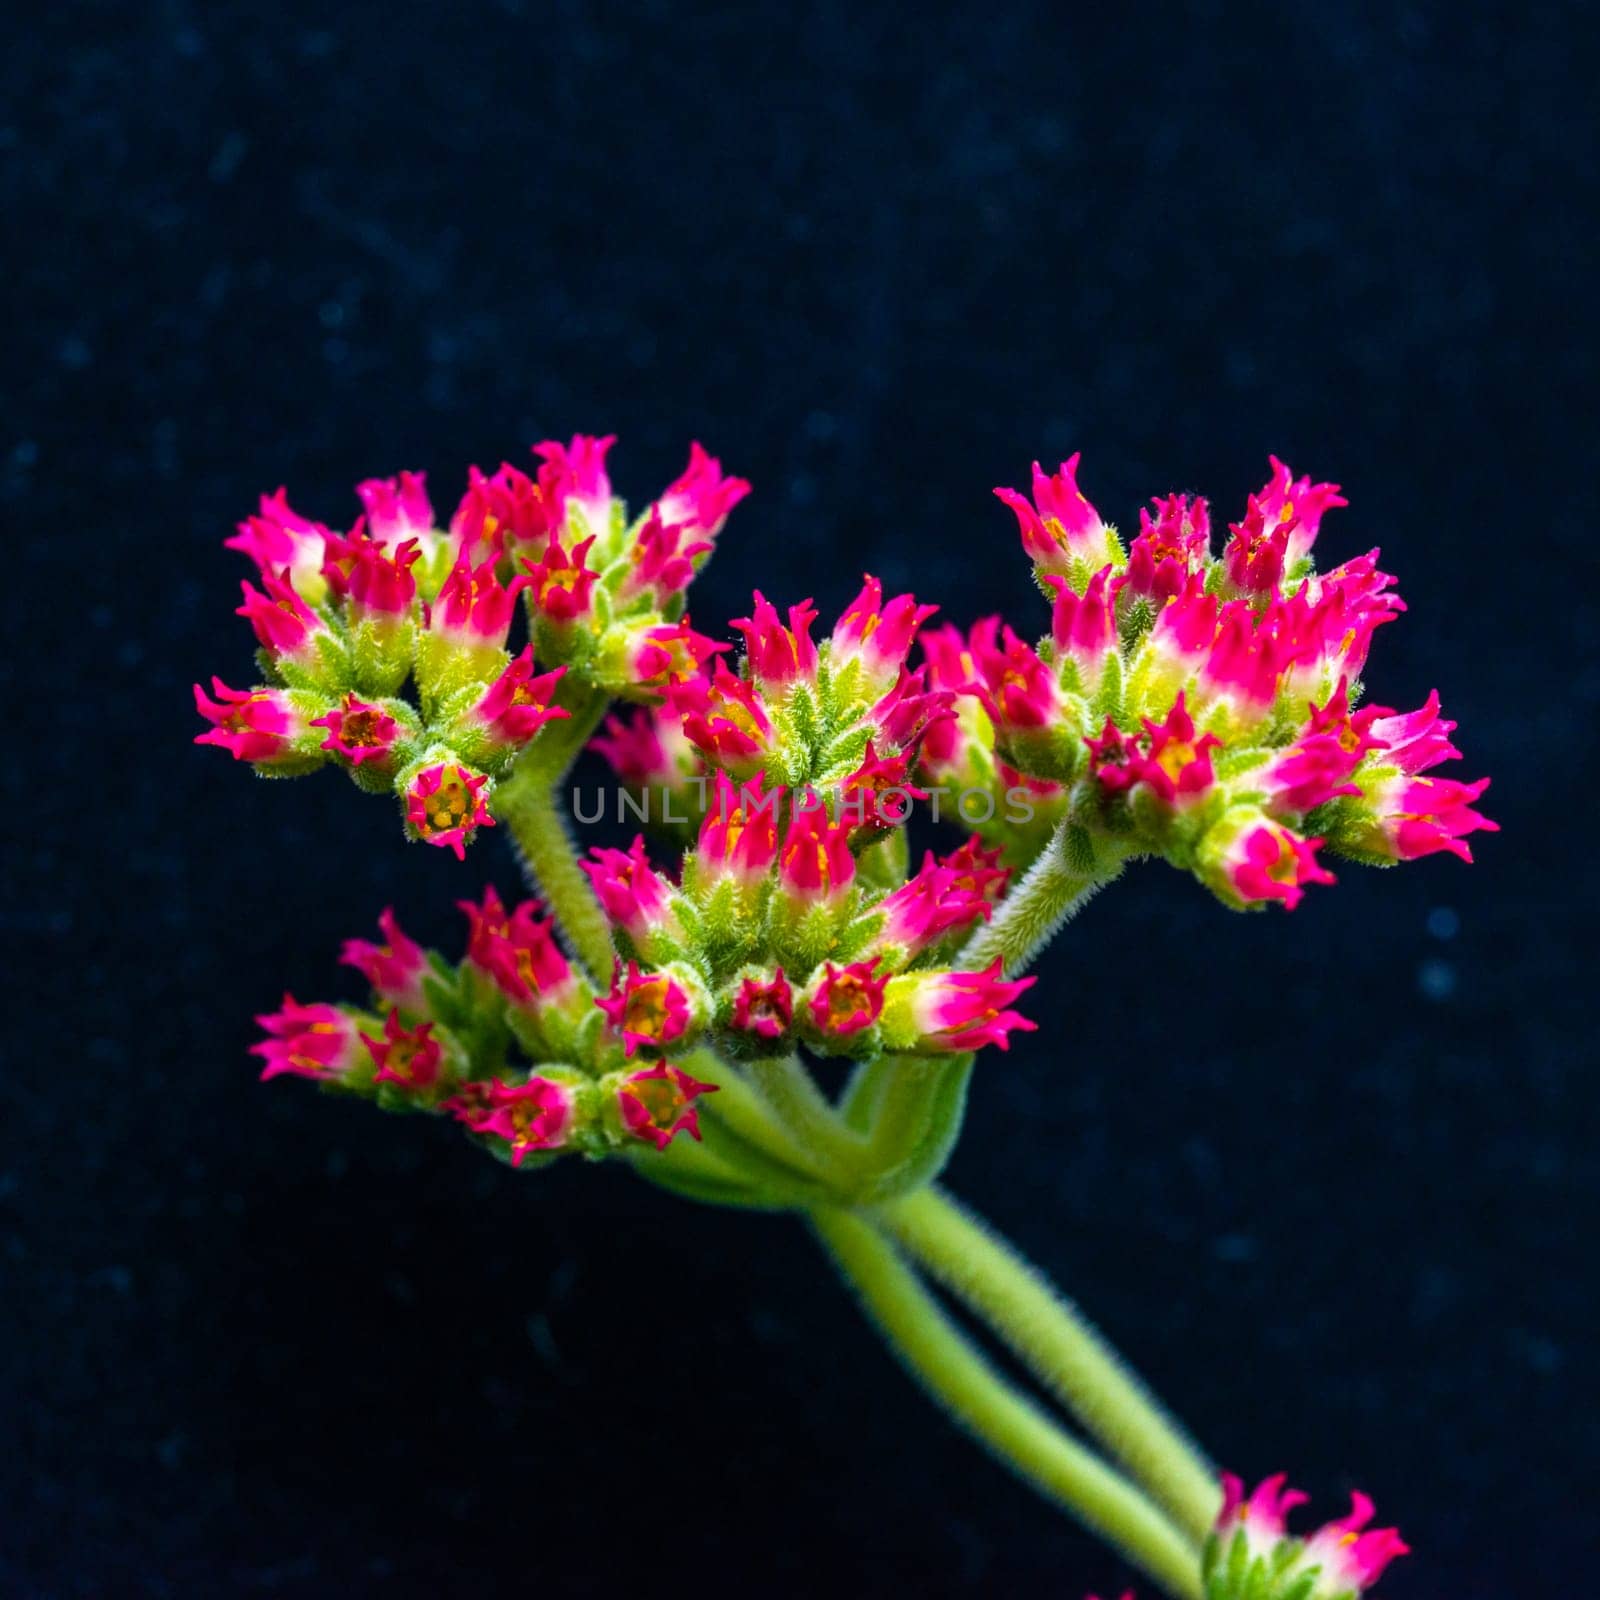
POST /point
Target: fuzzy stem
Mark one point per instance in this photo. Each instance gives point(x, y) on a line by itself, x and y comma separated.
point(1060, 1346)
point(914, 1123)
point(532, 812)
point(807, 1115)
point(1051, 893)
point(1017, 1431)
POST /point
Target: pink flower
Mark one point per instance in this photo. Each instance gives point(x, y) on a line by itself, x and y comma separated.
point(634, 896)
point(1415, 741)
point(359, 731)
point(398, 509)
point(533, 1116)
point(936, 901)
point(764, 1007)
point(1059, 526)
point(474, 609)
point(658, 652)
point(1017, 689)
point(517, 704)
point(1256, 556)
point(651, 1010)
point(1247, 859)
point(908, 711)
point(256, 725)
point(408, 1057)
point(661, 561)
point(503, 515)
point(739, 836)
point(1350, 1554)
point(573, 477)
point(1167, 756)
point(315, 1041)
point(657, 1103)
point(953, 749)
point(562, 585)
point(517, 952)
point(1084, 627)
point(374, 580)
point(445, 806)
point(700, 499)
point(1316, 766)
point(288, 628)
point(723, 717)
point(279, 539)
point(1299, 505)
point(395, 968)
point(816, 863)
point(647, 750)
point(961, 1011)
point(777, 654)
point(847, 1000)
point(877, 634)
point(1419, 816)
point(1172, 545)
point(1342, 1558)
point(1263, 1517)
point(879, 793)
point(978, 869)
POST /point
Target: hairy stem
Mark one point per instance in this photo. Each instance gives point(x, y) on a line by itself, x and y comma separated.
point(1061, 1347)
point(1016, 1430)
point(1051, 893)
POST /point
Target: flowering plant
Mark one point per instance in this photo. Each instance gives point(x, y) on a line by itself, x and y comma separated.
point(659, 1010)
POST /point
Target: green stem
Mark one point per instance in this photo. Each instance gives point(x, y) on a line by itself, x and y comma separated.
point(532, 812)
point(1018, 1432)
point(1053, 890)
point(915, 1121)
point(1066, 1353)
point(806, 1114)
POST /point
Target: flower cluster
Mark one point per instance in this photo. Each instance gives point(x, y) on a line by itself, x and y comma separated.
point(345, 621)
point(1251, 1555)
point(511, 1041)
point(1204, 707)
point(795, 917)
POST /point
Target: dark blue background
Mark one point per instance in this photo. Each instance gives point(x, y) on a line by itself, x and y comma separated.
point(1330, 1180)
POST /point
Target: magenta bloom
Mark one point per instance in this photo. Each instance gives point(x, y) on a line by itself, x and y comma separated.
point(650, 1010)
point(1342, 1558)
point(279, 540)
point(1317, 766)
point(816, 862)
point(764, 1007)
point(739, 836)
point(562, 585)
point(723, 717)
point(375, 580)
point(256, 725)
point(517, 951)
point(1251, 860)
point(445, 806)
point(926, 907)
point(408, 1057)
point(1299, 504)
point(657, 1103)
point(506, 514)
point(395, 968)
point(661, 561)
point(1167, 756)
point(517, 704)
point(315, 1041)
point(359, 731)
point(658, 653)
point(777, 654)
point(474, 609)
point(878, 634)
point(647, 750)
point(977, 868)
point(961, 1011)
point(286, 626)
point(700, 499)
point(1419, 816)
point(1084, 627)
point(847, 1000)
point(1059, 525)
point(634, 896)
point(573, 477)
point(879, 793)
point(533, 1116)
point(1017, 689)
point(397, 509)
point(1172, 544)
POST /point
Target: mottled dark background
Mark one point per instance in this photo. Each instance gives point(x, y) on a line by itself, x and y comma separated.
point(1330, 1180)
